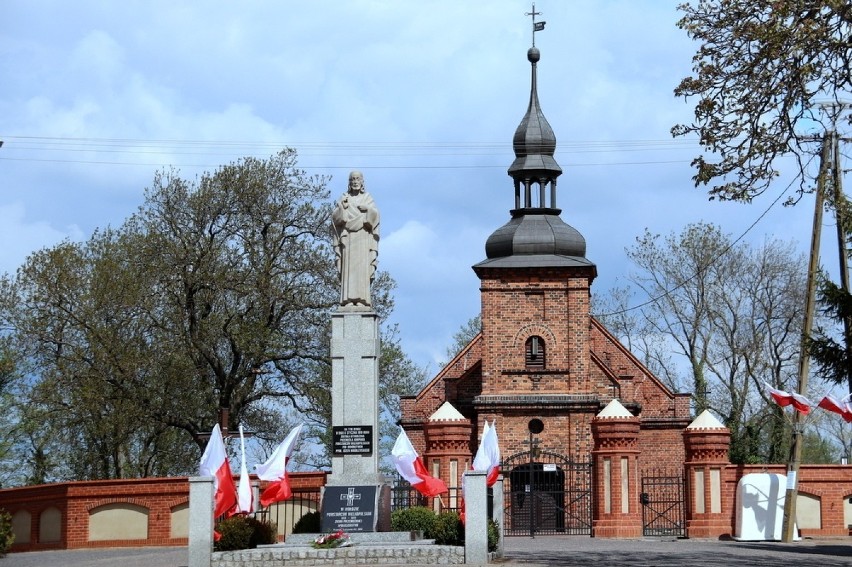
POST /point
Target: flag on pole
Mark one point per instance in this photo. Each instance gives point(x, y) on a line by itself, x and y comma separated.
point(410, 466)
point(538, 26)
point(842, 407)
point(214, 462)
point(275, 469)
point(488, 455)
point(245, 502)
point(784, 399)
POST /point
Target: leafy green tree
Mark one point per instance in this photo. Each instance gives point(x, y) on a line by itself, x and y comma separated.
point(215, 294)
point(9, 408)
point(827, 348)
point(761, 72)
point(818, 450)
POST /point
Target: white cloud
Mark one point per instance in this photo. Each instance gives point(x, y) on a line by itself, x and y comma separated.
point(21, 236)
point(436, 89)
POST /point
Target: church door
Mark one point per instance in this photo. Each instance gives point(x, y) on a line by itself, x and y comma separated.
point(546, 493)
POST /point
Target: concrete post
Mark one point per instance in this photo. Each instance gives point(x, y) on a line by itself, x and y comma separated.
point(476, 518)
point(200, 521)
point(498, 512)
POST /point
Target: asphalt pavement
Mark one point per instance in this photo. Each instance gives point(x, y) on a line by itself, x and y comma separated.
point(561, 551)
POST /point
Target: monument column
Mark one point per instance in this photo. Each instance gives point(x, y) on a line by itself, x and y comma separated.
point(355, 353)
point(355, 498)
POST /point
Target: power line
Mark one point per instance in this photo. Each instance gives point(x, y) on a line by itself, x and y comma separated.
point(713, 261)
point(34, 148)
point(364, 167)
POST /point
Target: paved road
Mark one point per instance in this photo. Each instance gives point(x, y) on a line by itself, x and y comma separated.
point(579, 551)
point(561, 551)
point(118, 557)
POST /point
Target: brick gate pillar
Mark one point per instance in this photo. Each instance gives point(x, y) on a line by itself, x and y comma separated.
point(616, 511)
point(447, 454)
point(708, 509)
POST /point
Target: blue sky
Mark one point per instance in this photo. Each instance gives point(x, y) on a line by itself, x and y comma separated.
point(423, 97)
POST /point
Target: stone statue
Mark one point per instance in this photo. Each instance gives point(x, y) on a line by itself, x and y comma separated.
point(355, 232)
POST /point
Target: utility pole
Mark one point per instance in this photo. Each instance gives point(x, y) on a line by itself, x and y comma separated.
point(804, 358)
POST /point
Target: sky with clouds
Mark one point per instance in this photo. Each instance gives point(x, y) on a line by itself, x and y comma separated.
point(423, 97)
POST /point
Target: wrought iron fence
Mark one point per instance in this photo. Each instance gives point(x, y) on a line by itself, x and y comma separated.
point(403, 495)
point(286, 514)
point(662, 499)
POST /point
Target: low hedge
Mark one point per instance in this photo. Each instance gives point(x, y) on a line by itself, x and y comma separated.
point(445, 528)
point(244, 532)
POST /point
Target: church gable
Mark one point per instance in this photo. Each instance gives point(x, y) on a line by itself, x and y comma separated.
point(615, 367)
point(459, 381)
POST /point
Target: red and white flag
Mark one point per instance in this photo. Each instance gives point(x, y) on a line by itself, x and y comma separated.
point(275, 470)
point(410, 467)
point(214, 462)
point(245, 501)
point(841, 407)
point(784, 399)
point(488, 455)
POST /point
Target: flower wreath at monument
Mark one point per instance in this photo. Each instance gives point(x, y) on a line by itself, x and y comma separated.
point(332, 540)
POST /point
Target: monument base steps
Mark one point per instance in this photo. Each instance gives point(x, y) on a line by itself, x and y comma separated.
point(368, 548)
point(358, 554)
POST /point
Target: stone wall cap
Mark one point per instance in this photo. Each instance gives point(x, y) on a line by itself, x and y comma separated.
point(706, 421)
point(447, 413)
point(614, 410)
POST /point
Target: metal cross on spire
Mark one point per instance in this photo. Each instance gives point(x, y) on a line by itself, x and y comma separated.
point(537, 26)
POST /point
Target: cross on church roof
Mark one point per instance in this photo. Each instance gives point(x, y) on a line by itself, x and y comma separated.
point(537, 26)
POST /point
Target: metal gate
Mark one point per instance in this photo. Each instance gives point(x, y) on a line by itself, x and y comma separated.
point(547, 494)
point(662, 504)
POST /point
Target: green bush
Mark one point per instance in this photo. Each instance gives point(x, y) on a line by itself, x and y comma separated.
point(244, 532)
point(417, 518)
point(263, 533)
point(448, 529)
point(308, 524)
point(493, 535)
point(7, 537)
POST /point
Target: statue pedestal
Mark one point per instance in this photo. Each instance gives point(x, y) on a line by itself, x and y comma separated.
point(355, 398)
point(355, 477)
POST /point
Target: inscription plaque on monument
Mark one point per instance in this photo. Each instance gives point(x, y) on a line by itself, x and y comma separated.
point(352, 440)
point(349, 508)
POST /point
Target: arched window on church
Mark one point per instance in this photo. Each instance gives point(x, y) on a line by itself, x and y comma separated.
point(534, 355)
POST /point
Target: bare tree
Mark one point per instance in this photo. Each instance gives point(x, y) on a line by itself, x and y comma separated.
point(726, 315)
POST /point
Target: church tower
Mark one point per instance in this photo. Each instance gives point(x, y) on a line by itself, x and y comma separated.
point(535, 286)
point(543, 370)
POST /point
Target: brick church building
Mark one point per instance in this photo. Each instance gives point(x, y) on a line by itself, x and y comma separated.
point(542, 366)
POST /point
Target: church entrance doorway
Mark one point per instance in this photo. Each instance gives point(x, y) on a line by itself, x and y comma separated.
point(546, 494)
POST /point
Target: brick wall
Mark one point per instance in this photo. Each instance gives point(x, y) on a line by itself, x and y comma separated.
point(75, 501)
point(831, 484)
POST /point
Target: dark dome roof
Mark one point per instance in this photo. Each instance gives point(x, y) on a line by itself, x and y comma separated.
point(537, 234)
